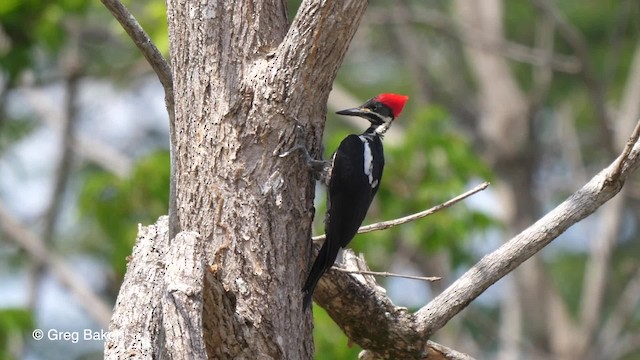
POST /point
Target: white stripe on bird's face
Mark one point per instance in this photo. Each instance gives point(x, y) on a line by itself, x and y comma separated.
point(368, 161)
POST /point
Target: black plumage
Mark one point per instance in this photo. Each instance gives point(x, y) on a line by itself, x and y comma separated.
point(351, 190)
point(354, 179)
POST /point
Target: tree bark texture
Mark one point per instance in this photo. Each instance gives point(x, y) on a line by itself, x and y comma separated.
point(159, 309)
point(136, 322)
point(242, 79)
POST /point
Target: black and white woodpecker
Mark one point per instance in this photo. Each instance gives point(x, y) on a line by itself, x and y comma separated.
point(354, 179)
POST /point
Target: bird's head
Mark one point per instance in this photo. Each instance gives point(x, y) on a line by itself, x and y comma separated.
point(380, 110)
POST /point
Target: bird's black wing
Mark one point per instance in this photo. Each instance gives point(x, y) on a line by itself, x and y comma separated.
point(350, 192)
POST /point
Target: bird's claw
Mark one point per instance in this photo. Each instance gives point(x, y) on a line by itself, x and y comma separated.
point(319, 167)
point(299, 142)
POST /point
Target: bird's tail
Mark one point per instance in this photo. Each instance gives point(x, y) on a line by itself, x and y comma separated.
point(320, 266)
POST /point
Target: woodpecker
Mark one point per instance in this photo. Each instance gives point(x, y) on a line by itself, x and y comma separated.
point(354, 179)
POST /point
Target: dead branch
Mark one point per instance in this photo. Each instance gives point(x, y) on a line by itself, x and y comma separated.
point(387, 274)
point(413, 217)
point(496, 265)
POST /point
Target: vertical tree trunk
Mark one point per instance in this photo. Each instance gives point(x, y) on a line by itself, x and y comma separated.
point(231, 187)
point(242, 80)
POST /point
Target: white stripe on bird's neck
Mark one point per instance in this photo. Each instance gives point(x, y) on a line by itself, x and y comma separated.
point(381, 129)
point(368, 161)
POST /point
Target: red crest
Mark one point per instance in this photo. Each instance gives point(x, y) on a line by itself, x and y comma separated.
point(395, 102)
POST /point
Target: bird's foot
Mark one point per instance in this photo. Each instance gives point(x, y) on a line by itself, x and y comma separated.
point(320, 168)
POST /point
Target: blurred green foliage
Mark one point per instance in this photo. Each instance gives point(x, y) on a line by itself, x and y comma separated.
point(31, 25)
point(14, 130)
point(330, 342)
point(37, 32)
point(14, 325)
point(117, 205)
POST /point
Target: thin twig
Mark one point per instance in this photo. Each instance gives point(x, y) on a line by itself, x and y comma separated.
point(387, 274)
point(142, 40)
point(413, 217)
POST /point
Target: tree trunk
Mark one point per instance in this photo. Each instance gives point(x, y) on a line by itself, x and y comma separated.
point(240, 91)
point(243, 78)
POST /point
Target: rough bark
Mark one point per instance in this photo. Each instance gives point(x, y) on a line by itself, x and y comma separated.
point(159, 309)
point(242, 79)
point(182, 298)
point(136, 322)
point(376, 324)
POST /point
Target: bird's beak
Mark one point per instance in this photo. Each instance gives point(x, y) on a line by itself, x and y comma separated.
point(359, 111)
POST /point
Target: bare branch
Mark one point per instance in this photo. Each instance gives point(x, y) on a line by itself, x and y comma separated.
point(496, 265)
point(387, 274)
point(413, 217)
point(620, 162)
point(142, 40)
point(602, 246)
point(361, 308)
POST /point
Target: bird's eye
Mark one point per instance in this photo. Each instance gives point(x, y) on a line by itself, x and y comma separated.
point(375, 107)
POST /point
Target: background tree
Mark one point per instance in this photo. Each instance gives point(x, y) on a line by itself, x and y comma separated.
point(520, 85)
